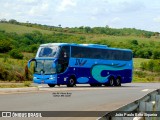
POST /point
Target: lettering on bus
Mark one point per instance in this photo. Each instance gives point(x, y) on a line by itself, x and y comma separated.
point(80, 62)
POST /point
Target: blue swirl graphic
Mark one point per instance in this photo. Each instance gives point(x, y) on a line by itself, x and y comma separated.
point(82, 79)
point(97, 70)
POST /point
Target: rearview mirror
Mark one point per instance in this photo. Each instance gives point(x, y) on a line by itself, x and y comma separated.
point(29, 62)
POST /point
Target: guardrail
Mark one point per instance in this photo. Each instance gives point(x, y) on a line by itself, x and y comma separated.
point(146, 108)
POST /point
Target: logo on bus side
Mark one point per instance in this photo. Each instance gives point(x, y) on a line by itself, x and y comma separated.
point(80, 62)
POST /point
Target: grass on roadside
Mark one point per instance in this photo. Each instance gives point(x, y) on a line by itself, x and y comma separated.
point(16, 85)
point(143, 76)
point(137, 62)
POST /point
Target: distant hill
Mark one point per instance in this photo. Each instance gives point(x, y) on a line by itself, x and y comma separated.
point(17, 38)
point(26, 37)
point(20, 29)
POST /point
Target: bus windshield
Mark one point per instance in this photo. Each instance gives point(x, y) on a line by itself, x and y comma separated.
point(48, 51)
point(44, 67)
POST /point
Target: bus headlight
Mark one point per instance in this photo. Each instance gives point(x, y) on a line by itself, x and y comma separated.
point(51, 78)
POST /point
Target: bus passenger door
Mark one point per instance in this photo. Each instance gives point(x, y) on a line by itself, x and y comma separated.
point(63, 60)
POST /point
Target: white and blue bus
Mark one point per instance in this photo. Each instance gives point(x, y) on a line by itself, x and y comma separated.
point(71, 64)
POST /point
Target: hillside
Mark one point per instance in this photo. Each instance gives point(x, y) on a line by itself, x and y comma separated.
point(76, 30)
point(20, 29)
point(27, 37)
point(20, 41)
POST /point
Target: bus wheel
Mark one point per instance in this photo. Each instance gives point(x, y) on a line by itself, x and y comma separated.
point(111, 81)
point(117, 81)
point(51, 85)
point(99, 85)
point(71, 82)
point(93, 85)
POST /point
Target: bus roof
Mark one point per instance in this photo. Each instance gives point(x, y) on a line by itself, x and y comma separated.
point(83, 45)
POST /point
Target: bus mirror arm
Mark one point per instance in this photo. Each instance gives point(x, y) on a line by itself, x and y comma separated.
point(29, 62)
point(55, 62)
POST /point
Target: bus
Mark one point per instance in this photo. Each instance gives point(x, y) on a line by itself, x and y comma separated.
point(70, 64)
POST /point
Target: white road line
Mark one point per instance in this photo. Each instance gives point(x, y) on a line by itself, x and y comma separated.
point(98, 118)
point(6, 93)
point(145, 90)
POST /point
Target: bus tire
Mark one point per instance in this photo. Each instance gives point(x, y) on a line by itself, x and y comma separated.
point(51, 85)
point(71, 82)
point(99, 85)
point(111, 81)
point(93, 85)
point(118, 81)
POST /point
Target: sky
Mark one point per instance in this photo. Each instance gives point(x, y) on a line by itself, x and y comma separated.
point(139, 14)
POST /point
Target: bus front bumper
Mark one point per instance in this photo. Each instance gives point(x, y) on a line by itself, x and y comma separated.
point(45, 79)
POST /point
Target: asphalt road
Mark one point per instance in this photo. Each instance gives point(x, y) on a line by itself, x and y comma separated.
point(80, 98)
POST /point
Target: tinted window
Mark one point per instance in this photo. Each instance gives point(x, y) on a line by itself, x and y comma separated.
point(48, 51)
point(64, 52)
point(94, 53)
point(63, 60)
point(45, 67)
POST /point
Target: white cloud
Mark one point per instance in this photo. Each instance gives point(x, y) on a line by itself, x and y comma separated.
point(116, 19)
point(4, 15)
point(157, 19)
point(65, 4)
point(28, 1)
point(39, 9)
point(93, 18)
point(125, 6)
point(71, 13)
point(95, 11)
point(45, 6)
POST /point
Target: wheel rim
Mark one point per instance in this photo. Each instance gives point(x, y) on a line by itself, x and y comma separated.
point(111, 81)
point(118, 81)
point(71, 81)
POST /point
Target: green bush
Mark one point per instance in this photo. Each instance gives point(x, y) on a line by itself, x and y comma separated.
point(134, 42)
point(151, 65)
point(156, 68)
point(140, 74)
point(27, 83)
point(143, 65)
point(5, 46)
point(16, 54)
point(156, 54)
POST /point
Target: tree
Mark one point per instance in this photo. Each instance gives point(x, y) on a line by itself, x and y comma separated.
point(87, 29)
point(107, 26)
point(3, 20)
point(59, 25)
point(13, 21)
